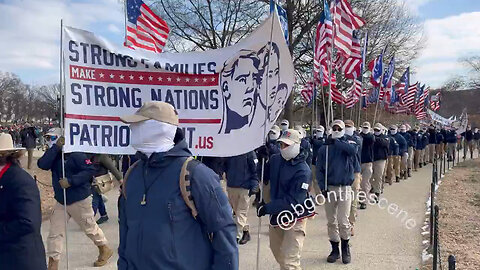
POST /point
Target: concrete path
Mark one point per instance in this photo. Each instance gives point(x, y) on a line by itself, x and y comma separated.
point(382, 240)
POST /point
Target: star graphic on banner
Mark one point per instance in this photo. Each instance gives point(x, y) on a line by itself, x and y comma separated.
point(121, 77)
point(101, 75)
point(196, 79)
point(204, 79)
point(187, 79)
point(112, 76)
point(131, 77)
point(150, 78)
point(178, 79)
point(213, 79)
point(160, 78)
point(169, 79)
point(140, 77)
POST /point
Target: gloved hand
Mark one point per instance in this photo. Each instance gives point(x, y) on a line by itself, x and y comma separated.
point(261, 211)
point(60, 142)
point(64, 183)
point(253, 191)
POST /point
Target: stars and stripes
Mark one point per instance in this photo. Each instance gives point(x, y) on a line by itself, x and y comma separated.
point(323, 42)
point(351, 66)
point(144, 28)
point(307, 92)
point(345, 21)
point(354, 94)
point(435, 102)
point(419, 110)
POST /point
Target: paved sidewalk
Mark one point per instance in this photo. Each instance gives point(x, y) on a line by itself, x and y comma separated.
point(382, 241)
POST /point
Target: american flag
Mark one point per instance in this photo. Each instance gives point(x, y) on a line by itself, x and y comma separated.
point(354, 94)
point(422, 95)
point(435, 102)
point(345, 22)
point(409, 98)
point(351, 66)
point(145, 29)
point(376, 67)
point(323, 42)
point(337, 96)
point(307, 92)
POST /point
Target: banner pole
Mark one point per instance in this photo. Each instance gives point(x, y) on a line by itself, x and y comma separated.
point(62, 125)
point(264, 137)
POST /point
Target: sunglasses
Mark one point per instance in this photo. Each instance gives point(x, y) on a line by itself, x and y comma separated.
point(337, 128)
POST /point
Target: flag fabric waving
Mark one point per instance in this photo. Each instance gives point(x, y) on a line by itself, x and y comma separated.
point(354, 94)
point(387, 77)
point(352, 65)
point(323, 42)
point(307, 92)
point(282, 16)
point(376, 67)
point(144, 28)
point(435, 102)
point(345, 22)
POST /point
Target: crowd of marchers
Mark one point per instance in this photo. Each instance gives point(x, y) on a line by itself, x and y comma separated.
point(174, 212)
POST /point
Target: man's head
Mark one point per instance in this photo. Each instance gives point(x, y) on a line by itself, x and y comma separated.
point(281, 98)
point(338, 129)
point(301, 131)
point(469, 127)
point(349, 127)
point(274, 133)
point(290, 144)
point(377, 129)
point(403, 128)
point(366, 127)
point(393, 129)
point(239, 80)
point(319, 131)
point(269, 56)
point(153, 127)
point(284, 124)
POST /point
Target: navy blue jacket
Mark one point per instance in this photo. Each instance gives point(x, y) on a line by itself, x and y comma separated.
point(214, 163)
point(79, 171)
point(163, 234)
point(340, 163)
point(306, 147)
point(468, 134)
point(316, 144)
point(413, 136)
point(432, 137)
point(393, 148)
point(367, 147)
point(289, 182)
point(241, 171)
point(381, 147)
point(21, 245)
point(451, 136)
point(444, 134)
point(419, 141)
point(439, 138)
point(425, 140)
point(265, 152)
point(408, 139)
point(357, 167)
point(476, 136)
point(402, 144)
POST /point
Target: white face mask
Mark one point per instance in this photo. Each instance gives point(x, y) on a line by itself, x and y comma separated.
point(273, 136)
point(377, 133)
point(338, 134)
point(365, 130)
point(283, 127)
point(51, 143)
point(349, 131)
point(152, 136)
point(319, 134)
point(291, 151)
point(393, 131)
point(403, 130)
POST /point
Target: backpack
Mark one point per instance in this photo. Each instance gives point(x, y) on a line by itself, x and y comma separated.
point(188, 167)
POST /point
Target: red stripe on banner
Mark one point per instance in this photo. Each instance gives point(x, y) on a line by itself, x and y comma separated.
point(141, 77)
point(117, 119)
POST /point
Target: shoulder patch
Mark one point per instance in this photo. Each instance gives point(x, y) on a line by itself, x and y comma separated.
point(88, 162)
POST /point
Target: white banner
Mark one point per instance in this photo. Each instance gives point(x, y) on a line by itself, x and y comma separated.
point(440, 119)
point(226, 98)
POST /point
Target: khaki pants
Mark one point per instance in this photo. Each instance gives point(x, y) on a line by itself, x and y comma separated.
point(82, 214)
point(468, 146)
point(431, 152)
point(266, 193)
point(30, 157)
point(240, 202)
point(417, 159)
point(439, 149)
point(315, 188)
point(287, 245)
point(355, 189)
point(393, 169)
point(378, 169)
point(403, 162)
point(367, 171)
point(337, 210)
point(451, 150)
point(410, 157)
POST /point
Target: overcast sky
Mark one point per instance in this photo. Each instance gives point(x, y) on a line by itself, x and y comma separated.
point(30, 30)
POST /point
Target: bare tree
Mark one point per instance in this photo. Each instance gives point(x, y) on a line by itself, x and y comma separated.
point(473, 63)
point(454, 83)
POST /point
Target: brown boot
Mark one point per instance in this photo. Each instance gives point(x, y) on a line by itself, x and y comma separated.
point(52, 264)
point(104, 254)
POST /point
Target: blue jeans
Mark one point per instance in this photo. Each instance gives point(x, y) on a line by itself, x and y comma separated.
point(98, 204)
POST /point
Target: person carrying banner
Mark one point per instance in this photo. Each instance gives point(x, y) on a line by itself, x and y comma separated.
point(79, 172)
point(380, 156)
point(336, 185)
point(21, 245)
point(350, 134)
point(290, 178)
point(467, 141)
point(242, 182)
point(367, 159)
point(317, 140)
point(404, 172)
point(176, 222)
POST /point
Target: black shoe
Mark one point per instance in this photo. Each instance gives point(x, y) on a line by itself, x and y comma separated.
point(245, 238)
point(377, 197)
point(346, 258)
point(363, 206)
point(102, 219)
point(335, 254)
point(397, 179)
point(409, 172)
point(420, 165)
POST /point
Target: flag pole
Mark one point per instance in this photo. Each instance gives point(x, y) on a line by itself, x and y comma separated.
point(62, 125)
point(379, 91)
point(125, 28)
point(264, 137)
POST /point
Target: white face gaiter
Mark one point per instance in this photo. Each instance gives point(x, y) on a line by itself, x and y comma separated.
point(349, 131)
point(51, 143)
point(338, 134)
point(365, 130)
point(273, 136)
point(152, 136)
point(291, 151)
point(393, 131)
point(377, 133)
point(319, 134)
